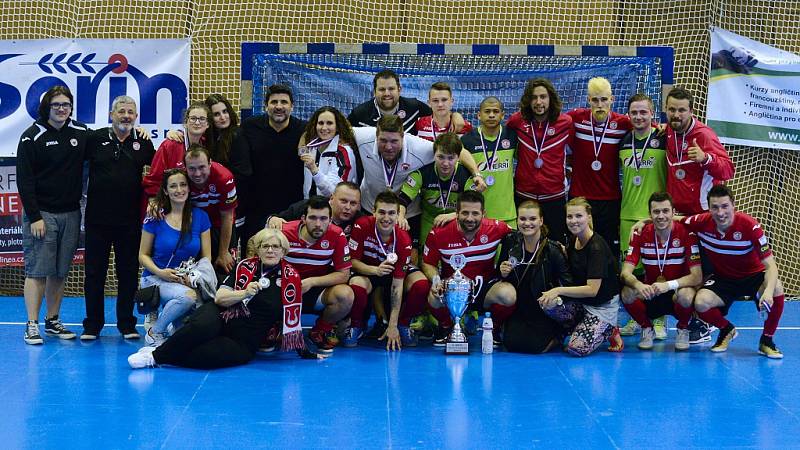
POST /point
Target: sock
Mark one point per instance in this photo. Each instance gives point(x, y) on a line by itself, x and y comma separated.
point(638, 311)
point(360, 299)
point(500, 313)
point(443, 316)
point(714, 317)
point(415, 302)
point(683, 314)
point(323, 326)
point(771, 324)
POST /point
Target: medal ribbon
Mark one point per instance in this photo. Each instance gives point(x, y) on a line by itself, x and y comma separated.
point(380, 241)
point(490, 160)
point(597, 147)
point(679, 150)
point(449, 189)
point(660, 264)
point(636, 161)
point(540, 147)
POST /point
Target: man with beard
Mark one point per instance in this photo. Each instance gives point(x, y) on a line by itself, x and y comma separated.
point(117, 158)
point(270, 143)
point(477, 239)
point(387, 101)
point(318, 251)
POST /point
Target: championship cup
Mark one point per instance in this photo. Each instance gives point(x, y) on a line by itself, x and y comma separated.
point(459, 292)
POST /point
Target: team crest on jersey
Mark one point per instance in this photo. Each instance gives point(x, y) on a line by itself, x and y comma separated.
point(737, 236)
point(505, 143)
point(484, 239)
point(405, 166)
point(74, 142)
point(551, 131)
point(613, 125)
point(401, 114)
point(212, 187)
point(676, 242)
point(324, 244)
point(654, 143)
point(137, 146)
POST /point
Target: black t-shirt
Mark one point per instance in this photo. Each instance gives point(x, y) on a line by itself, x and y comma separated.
point(266, 309)
point(594, 261)
point(115, 177)
point(408, 110)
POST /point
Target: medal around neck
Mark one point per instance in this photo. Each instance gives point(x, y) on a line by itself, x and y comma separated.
point(459, 292)
point(391, 258)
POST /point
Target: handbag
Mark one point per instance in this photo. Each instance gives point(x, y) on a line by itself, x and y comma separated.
point(147, 299)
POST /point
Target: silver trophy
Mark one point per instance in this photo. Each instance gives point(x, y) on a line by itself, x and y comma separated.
point(459, 292)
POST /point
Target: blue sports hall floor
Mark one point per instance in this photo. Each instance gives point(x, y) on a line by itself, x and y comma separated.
point(69, 394)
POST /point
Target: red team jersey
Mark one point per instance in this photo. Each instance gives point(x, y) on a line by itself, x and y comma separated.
point(218, 195)
point(425, 128)
point(689, 193)
point(739, 251)
point(682, 254)
point(549, 181)
point(329, 253)
point(168, 156)
point(448, 240)
point(586, 182)
point(366, 248)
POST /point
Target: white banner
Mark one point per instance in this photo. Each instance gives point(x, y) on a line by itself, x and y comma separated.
point(753, 92)
point(155, 72)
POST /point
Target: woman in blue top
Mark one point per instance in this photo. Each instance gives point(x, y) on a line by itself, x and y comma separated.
point(182, 233)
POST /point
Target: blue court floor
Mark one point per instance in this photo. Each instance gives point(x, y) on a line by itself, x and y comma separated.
point(69, 394)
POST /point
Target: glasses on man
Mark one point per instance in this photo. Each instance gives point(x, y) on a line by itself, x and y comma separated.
point(57, 106)
point(198, 119)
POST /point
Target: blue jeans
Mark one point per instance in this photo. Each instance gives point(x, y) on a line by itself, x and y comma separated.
point(176, 303)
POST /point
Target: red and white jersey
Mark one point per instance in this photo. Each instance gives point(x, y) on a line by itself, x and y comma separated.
point(549, 181)
point(427, 128)
point(329, 253)
point(676, 256)
point(593, 184)
point(168, 156)
point(689, 193)
point(446, 241)
point(738, 252)
point(366, 247)
point(218, 194)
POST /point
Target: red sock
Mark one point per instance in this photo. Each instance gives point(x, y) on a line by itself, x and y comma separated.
point(683, 314)
point(638, 311)
point(360, 299)
point(771, 324)
point(323, 326)
point(415, 302)
point(714, 317)
point(500, 313)
point(443, 316)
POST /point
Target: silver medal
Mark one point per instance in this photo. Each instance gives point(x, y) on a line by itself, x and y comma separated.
point(513, 261)
point(680, 174)
point(391, 258)
point(489, 180)
point(538, 163)
point(637, 180)
point(597, 165)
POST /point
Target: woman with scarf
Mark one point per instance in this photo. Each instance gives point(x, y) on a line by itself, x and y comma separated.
point(533, 264)
point(264, 290)
point(326, 150)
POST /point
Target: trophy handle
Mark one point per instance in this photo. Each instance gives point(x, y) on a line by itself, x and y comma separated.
point(476, 288)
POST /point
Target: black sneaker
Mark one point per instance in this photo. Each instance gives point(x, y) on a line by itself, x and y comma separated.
point(32, 335)
point(129, 334)
point(767, 347)
point(377, 330)
point(699, 331)
point(54, 327)
point(89, 335)
point(440, 336)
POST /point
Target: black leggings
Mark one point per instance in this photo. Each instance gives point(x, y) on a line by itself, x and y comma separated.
point(199, 344)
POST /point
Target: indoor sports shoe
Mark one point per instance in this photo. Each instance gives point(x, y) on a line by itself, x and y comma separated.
point(630, 329)
point(660, 328)
point(150, 319)
point(440, 336)
point(408, 338)
point(141, 360)
point(615, 342)
point(89, 335)
point(129, 334)
point(646, 342)
point(54, 327)
point(351, 336)
point(726, 335)
point(154, 339)
point(325, 342)
point(32, 335)
point(682, 340)
point(699, 331)
point(767, 347)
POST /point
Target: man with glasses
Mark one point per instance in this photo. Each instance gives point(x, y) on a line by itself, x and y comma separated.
point(49, 167)
point(118, 156)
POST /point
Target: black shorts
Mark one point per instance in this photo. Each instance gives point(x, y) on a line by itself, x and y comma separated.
point(730, 290)
point(477, 305)
point(312, 301)
point(661, 305)
point(414, 229)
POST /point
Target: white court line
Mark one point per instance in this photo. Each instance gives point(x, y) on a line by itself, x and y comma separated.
point(108, 325)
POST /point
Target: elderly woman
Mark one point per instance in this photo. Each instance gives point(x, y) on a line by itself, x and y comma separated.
point(589, 307)
point(183, 232)
point(533, 263)
point(264, 290)
point(327, 152)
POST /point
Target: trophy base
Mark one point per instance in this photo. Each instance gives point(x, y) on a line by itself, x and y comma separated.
point(456, 348)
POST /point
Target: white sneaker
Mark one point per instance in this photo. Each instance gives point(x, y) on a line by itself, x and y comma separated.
point(682, 340)
point(154, 339)
point(140, 360)
point(149, 320)
point(646, 343)
point(631, 328)
point(660, 327)
point(147, 349)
